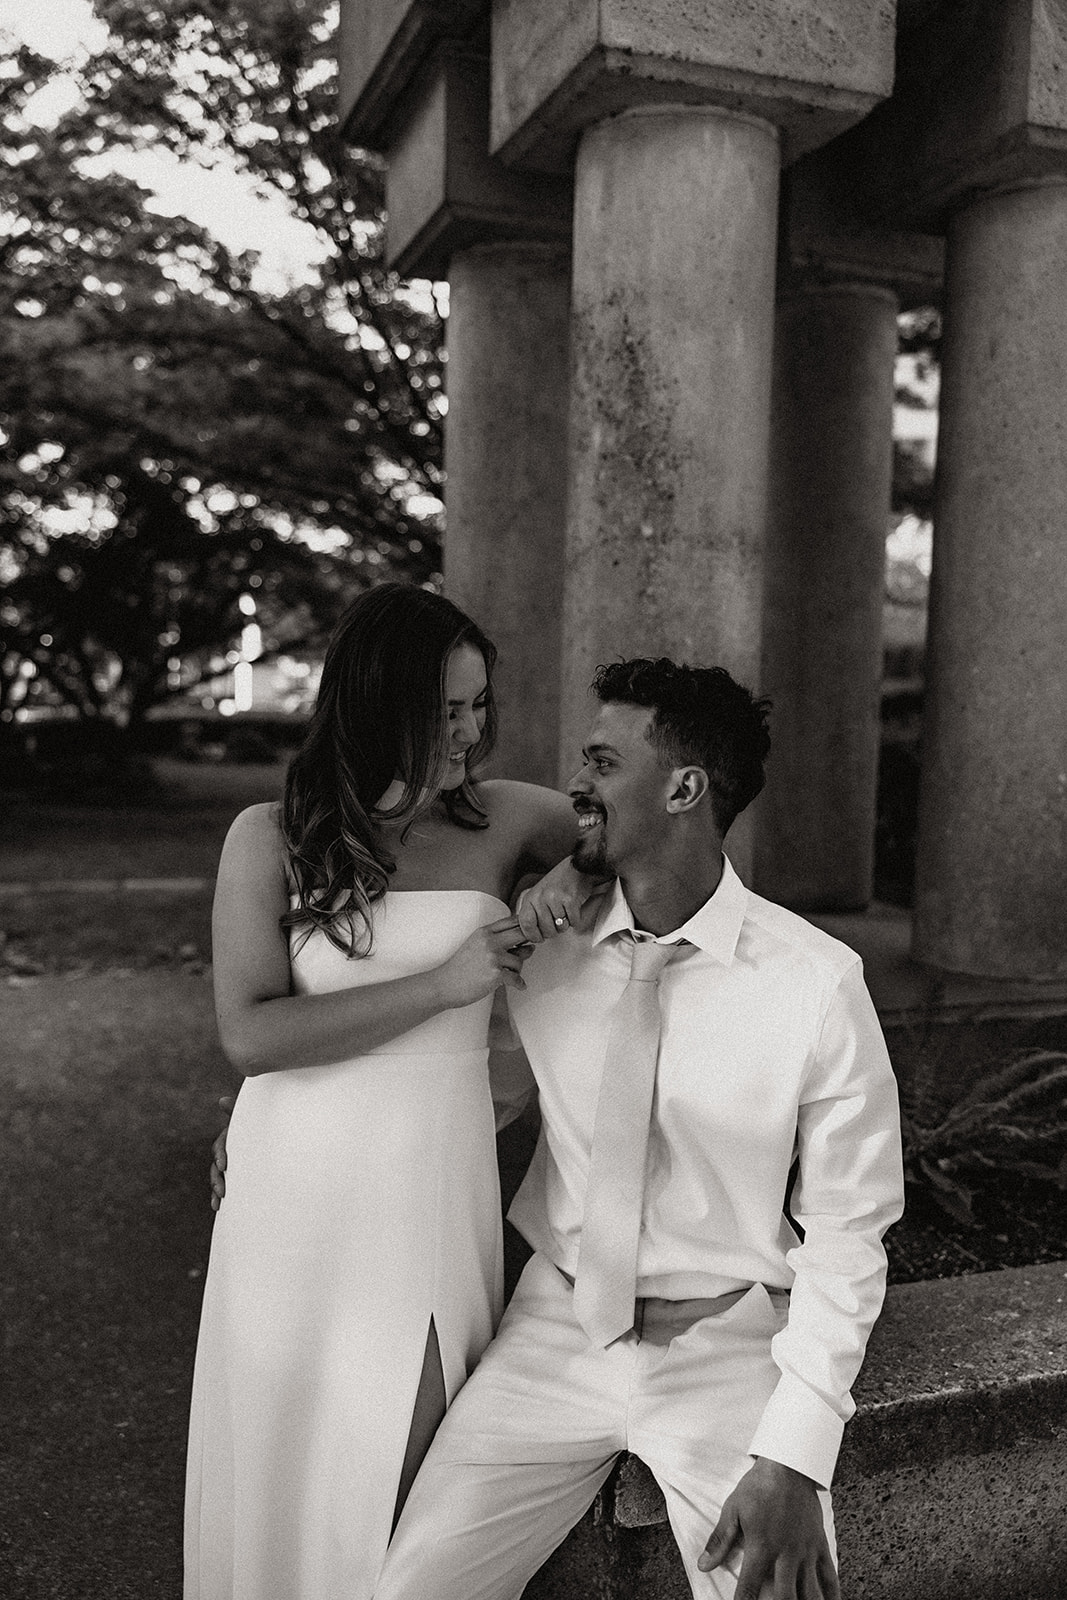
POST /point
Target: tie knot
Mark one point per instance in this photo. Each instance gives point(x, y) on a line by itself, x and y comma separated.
point(648, 959)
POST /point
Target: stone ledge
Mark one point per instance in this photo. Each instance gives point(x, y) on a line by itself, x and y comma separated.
point(814, 67)
point(443, 191)
point(382, 45)
point(962, 1365)
point(955, 1367)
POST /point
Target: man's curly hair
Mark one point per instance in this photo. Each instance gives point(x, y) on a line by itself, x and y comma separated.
point(702, 718)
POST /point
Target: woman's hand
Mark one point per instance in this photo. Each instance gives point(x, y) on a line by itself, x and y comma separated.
point(218, 1155)
point(555, 902)
point(493, 955)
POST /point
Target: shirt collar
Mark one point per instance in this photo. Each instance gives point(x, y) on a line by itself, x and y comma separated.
point(715, 928)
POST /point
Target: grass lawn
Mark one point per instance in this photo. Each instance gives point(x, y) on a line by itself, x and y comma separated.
point(177, 834)
point(77, 932)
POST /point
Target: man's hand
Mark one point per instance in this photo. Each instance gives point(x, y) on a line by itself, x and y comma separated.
point(775, 1514)
point(218, 1156)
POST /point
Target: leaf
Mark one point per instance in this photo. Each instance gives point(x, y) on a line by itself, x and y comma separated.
point(953, 1196)
point(1010, 1118)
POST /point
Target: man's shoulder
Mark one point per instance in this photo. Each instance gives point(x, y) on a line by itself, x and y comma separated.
point(789, 933)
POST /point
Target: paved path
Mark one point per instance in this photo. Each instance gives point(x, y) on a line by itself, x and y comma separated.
point(108, 1093)
point(106, 886)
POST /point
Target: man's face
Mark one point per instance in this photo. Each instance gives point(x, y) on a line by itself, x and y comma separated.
point(620, 792)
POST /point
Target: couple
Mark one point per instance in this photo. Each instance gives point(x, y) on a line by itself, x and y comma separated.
point(689, 1042)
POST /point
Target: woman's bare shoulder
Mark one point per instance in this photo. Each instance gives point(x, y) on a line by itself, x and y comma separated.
point(257, 831)
point(262, 821)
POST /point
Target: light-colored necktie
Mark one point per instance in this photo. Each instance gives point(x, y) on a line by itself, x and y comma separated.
point(606, 1277)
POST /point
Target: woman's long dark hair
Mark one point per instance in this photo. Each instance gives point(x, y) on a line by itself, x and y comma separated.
point(380, 714)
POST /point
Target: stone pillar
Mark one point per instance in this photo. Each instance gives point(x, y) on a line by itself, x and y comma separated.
point(672, 332)
point(830, 480)
point(418, 77)
point(991, 896)
point(505, 451)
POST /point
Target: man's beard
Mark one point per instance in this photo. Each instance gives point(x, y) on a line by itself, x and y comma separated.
point(591, 855)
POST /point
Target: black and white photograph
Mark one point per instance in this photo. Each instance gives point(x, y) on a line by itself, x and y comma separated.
point(533, 799)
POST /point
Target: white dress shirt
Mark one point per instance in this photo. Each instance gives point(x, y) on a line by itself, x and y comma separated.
point(770, 1050)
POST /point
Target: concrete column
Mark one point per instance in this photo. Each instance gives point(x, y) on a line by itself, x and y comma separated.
point(672, 333)
point(991, 896)
point(505, 450)
point(830, 477)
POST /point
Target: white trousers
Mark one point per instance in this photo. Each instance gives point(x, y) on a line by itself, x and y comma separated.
point(535, 1431)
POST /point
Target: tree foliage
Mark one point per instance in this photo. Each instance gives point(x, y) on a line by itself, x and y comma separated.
point(176, 432)
point(918, 337)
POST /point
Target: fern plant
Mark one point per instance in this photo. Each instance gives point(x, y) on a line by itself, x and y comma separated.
point(1013, 1119)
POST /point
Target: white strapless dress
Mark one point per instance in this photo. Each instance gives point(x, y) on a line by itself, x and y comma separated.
point(362, 1200)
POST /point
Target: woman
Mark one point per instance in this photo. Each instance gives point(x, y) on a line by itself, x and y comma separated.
point(360, 931)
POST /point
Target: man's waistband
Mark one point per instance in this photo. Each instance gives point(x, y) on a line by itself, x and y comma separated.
point(658, 1321)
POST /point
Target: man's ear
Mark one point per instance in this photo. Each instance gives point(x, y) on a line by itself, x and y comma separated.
point(688, 787)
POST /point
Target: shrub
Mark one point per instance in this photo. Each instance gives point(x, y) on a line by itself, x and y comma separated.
point(259, 736)
point(1012, 1122)
point(248, 745)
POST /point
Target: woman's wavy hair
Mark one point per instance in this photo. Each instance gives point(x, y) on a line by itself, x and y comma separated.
point(380, 714)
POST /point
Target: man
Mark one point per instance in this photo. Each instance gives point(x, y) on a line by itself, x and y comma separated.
point(689, 1041)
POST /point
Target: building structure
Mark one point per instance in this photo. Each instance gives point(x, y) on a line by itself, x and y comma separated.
point(677, 239)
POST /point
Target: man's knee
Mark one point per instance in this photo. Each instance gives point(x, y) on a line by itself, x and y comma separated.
point(480, 1530)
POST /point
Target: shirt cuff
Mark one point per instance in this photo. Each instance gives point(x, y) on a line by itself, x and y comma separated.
point(800, 1430)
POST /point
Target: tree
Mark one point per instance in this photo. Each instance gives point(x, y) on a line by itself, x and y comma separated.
point(919, 337)
point(103, 619)
point(174, 431)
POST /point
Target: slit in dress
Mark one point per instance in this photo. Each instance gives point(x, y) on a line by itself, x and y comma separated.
point(429, 1408)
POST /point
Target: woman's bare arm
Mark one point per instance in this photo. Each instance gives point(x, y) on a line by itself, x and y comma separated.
point(541, 826)
point(263, 1026)
point(540, 823)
